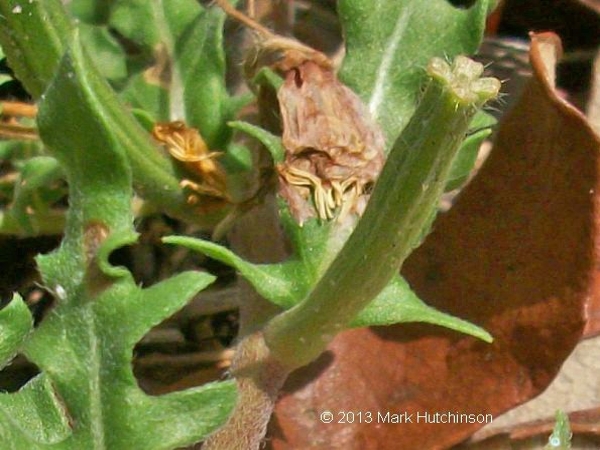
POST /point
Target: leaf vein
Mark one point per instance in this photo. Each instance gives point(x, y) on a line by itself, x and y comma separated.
point(385, 65)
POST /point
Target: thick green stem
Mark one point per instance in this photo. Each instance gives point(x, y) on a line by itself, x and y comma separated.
point(402, 204)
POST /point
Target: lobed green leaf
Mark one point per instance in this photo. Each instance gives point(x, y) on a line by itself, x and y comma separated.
point(32, 418)
point(15, 325)
point(397, 303)
point(84, 347)
point(287, 284)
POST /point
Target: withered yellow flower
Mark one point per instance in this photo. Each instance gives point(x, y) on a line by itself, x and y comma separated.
point(186, 145)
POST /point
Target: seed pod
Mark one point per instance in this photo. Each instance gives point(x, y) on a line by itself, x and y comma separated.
point(334, 150)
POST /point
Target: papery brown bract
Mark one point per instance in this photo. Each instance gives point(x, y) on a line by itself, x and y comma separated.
point(282, 55)
point(334, 150)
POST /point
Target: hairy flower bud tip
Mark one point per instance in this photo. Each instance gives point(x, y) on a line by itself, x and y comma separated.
point(463, 78)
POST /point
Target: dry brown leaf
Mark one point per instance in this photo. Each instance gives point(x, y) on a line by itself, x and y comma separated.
point(516, 255)
point(592, 4)
point(575, 21)
point(593, 106)
point(593, 114)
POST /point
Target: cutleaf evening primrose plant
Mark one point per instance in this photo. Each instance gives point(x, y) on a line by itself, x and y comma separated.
point(132, 101)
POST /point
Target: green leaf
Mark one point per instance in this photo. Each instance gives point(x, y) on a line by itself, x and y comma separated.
point(187, 78)
point(315, 244)
point(85, 346)
point(397, 303)
point(390, 42)
point(560, 439)
point(34, 194)
point(282, 284)
point(90, 11)
point(101, 201)
point(271, 142)
point(34, 41)
point(237, 159)
point(481, 128)
point(15, 325)
point(109, 56)
point(38, 187)
point(86, 350)
point(34, 415)
point(150, 97)
point(266, 78)
point(199, 53)
point(287, 284)
point(33, 35)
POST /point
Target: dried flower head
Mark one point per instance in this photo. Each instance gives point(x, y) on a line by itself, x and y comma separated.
point(186, 145)
point(10, 125)
point(334, 150)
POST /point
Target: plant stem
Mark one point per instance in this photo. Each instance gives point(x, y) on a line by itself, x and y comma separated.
point(259, 377)
point(400, 209)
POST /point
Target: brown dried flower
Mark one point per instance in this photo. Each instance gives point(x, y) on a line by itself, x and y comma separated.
point(186, 145)
point(334, 150)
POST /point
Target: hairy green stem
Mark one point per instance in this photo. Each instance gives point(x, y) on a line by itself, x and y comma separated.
point(258, 376)
point(401, 207)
